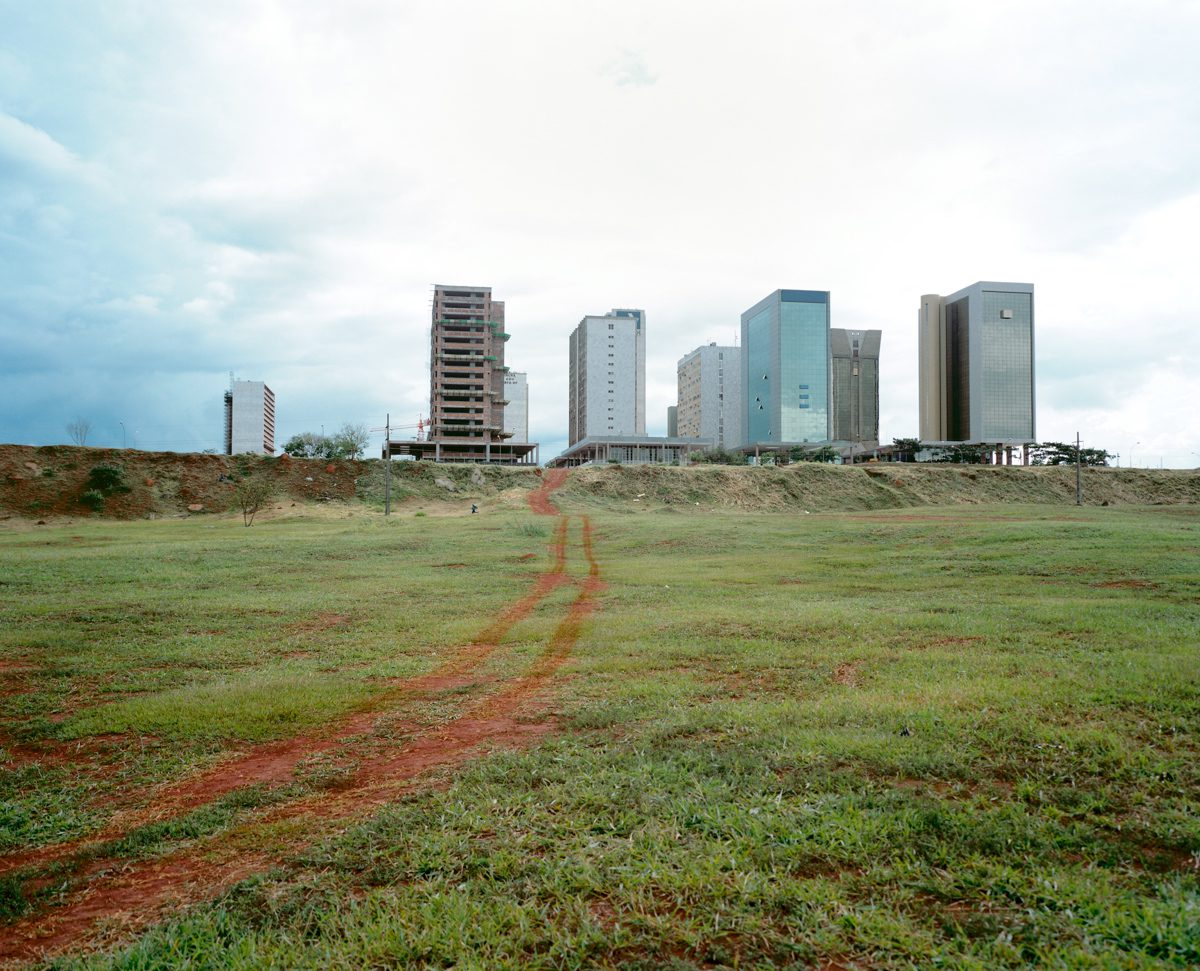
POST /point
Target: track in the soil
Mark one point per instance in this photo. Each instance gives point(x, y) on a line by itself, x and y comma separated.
point(140, 891)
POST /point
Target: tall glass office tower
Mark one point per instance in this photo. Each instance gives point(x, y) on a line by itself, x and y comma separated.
point(977, 364)
point(785, 368)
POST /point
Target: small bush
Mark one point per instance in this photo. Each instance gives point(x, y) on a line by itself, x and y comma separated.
point(48, 473)
point(108, 480)
point(93, 499)
point(532, 529)
point(251, 493)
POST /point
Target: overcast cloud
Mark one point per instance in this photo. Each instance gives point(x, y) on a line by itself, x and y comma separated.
point(272, 188)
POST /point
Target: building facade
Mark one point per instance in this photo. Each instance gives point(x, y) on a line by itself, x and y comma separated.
point(249, 418)
point(466, 382)
point(607, 376)
point(516, 412)
point(785, 368)
point(854, 386)
point(976, 353)
point(709, 395)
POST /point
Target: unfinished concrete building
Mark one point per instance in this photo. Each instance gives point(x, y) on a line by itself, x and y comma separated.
point(466, 382)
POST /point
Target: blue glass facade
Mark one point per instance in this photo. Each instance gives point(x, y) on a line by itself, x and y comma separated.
point(786, 367)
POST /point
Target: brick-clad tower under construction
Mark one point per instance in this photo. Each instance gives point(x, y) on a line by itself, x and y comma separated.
point(466, 394)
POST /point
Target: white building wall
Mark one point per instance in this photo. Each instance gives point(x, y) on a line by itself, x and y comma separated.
point(253, 418)
point(710, 397)
point(516, 412)
point(608, 381)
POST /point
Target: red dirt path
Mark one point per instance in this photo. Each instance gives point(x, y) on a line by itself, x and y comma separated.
point(139, 891)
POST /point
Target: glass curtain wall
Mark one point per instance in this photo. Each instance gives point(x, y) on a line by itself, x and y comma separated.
point(803, 367)
point(1006, 392)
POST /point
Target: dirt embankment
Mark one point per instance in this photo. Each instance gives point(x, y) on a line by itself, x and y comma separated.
point(814, 487)
point(55, 481)
point(62, 480)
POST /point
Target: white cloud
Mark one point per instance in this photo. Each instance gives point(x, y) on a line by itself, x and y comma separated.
point(24, 146)
point(291, 179)
point(629, 68)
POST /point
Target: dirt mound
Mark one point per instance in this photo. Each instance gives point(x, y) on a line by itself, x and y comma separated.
point(60, 480)
point(63, 480)
point(814, 487)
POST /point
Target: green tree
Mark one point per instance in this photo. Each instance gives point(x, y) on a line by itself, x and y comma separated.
point(349, 442)
point(906, 448)
point(251, 493)
point(826, 453)
point(1063, 453)
point(306, 445)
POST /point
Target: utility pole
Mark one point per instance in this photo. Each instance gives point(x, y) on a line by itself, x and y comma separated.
point(387, 458)
point(1078, 472)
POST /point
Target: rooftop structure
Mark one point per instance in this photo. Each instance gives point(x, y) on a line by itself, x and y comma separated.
point(629, 450)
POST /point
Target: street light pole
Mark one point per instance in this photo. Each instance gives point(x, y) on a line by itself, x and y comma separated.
point(1131, 448)
point(122, 424)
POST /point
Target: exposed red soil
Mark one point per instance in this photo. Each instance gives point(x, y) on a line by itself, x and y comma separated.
point(313, 625)
point(274, 763)
point(49, 480)
point(847, 674)
point(539, 499)
point(138, 892)
point(1126, 585)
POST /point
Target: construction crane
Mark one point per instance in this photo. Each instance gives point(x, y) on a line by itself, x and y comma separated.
point(420, 426)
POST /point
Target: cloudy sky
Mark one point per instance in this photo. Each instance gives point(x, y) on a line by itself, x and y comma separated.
point(272, 187)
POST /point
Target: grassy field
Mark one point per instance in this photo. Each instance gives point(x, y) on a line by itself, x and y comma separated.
point(949, 737)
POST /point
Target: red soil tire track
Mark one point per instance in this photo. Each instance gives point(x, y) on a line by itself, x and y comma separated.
point(539, 499)
point(275, 763)
point(143, 889)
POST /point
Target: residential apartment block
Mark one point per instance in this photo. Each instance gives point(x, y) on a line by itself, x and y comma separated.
point(249, 418)
point(607, 376)
point(709, 396)
point(854, 386)
point(976, 356)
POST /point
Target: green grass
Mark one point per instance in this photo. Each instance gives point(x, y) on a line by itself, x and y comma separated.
point(955, 737)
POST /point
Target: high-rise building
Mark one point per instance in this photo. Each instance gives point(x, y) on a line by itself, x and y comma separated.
point(249, 418)
point(466, 392)
point(854, 385)
point(785, 368)
point(710, 398)
point(607, 376)
point(516, 412)
point(977, 364)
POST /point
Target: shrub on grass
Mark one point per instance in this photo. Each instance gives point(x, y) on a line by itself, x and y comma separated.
point(108, 480)
point(250, 495)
